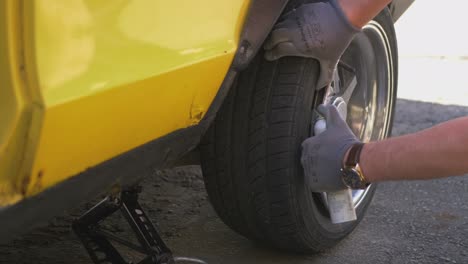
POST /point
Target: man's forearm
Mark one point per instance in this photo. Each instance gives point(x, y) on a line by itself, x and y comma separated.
point(359, 12)
point(440, 151)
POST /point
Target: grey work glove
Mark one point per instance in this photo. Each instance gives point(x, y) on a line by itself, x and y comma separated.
point(322, 155)
point(316, 30)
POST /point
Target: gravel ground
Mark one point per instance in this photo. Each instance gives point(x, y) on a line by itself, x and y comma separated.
point(408, 222)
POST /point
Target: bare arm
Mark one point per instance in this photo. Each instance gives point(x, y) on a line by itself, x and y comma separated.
point(359, 12)
point(440, 151)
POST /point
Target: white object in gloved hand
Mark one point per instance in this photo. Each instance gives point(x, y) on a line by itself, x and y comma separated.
point(341, 206)
point(317, 30)
point(322, 155)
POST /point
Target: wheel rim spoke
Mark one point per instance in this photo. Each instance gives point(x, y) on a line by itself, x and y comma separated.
point(366, 89)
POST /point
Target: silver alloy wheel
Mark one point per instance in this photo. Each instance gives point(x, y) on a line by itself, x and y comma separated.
point(365, 81)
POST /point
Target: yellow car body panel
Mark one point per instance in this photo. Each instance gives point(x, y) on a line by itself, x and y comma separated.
point(106, 77)
point(13, 103)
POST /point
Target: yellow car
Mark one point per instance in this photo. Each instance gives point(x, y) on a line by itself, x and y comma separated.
point(93, 94)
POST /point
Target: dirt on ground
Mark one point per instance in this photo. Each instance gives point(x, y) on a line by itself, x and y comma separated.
point(171, 198)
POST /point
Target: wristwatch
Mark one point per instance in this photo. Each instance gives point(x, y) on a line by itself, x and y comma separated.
point(352, 175)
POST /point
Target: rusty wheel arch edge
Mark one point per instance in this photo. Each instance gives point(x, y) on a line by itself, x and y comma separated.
point(261, 18)
point(129, 168)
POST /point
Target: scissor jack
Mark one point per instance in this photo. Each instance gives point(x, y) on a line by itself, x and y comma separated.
point(97, 242)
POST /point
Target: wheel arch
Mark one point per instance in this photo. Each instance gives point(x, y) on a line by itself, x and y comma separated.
point(128, 168)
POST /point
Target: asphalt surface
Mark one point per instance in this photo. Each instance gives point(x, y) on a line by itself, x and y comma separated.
point(407, 222)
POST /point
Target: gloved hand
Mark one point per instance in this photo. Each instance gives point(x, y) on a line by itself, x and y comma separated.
point(322, 155)
point(316, 30)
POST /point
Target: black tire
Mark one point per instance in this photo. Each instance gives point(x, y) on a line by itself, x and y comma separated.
point(251, 155)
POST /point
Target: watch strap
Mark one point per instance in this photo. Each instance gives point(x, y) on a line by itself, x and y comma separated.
point(354, 155)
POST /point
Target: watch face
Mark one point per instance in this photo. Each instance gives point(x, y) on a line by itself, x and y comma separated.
point(351, 178)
